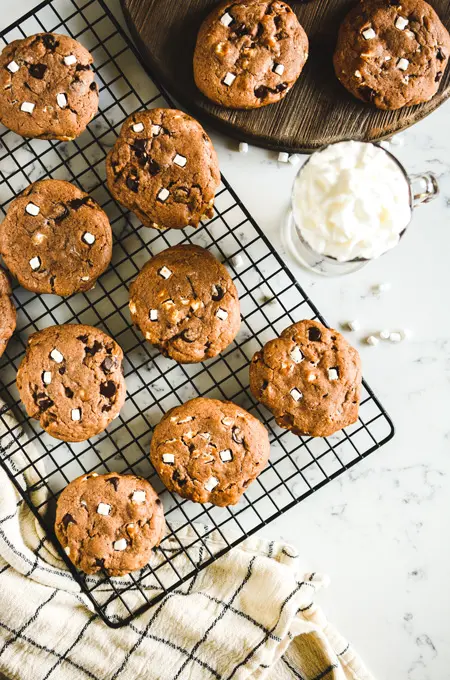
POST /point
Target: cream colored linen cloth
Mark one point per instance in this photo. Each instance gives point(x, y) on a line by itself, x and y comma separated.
point(251, 614)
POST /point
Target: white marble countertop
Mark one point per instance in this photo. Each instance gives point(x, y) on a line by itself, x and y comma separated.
point(381, 530)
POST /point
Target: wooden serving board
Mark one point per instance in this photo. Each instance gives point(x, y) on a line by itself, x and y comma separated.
point(316, 112)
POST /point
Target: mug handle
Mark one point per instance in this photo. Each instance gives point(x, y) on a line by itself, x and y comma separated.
point(424, 187)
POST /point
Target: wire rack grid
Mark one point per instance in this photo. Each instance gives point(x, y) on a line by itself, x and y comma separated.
point(270, 298)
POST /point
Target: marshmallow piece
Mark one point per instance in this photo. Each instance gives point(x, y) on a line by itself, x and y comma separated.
point(163, 195)
point(88, 238)
point(180, 160)
point(243, 147)
point(153, 315)
point(283, 157)
point(229, 79)
point(138, 127)
point(32, 209)
point(47, 377)
point(35, 263)
point(185, 420)
point(83, 502)
point(67, 550)
point(13, 66)
point(211, 483)
point(56, 355)
point(168, 458)
point(28, 107)
point(156, 129)
point(295, 159)
point(353, 325)
point(382, 288)
point(296, 355)
point(70, 60)
point(385, 334)
point(395, 337)
point(397, 140)
point(369, 33)
point(61, 100)
point(85, 278)
point(358, 74)
point(226, 455)
point(406, 333)
point(120, 545)
point(205, 435)
point(401, 23)
point(139, 496)
point(165, 272)
point(228, 422)
point(222, 314)
point(333, 374)
point(372, 340)
point(103, 509)
point(76, 414)
point(402, 64)
point(237, 261)
point(278, 69)
point(296, 394)
point(226, 19)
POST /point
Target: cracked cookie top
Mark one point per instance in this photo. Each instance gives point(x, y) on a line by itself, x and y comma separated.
point(309, 378)
point(109, 522)
point(47, 87)
point(186, 304)
point(71, 380)
point(209, 451)
point(7, 312)
point(55, 238)
point(164, 168)
point(392, 54)
point(250, 53)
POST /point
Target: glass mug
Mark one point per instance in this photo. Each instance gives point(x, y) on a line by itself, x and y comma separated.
point(422, 189)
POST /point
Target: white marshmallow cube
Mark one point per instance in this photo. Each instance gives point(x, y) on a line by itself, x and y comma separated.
point(88, 238)
point(70, 60)
point(226, 19)
point(76, 414)
point(13, 66)
point(138, 127)
point(120, 545)
point(369, 34)
point(163, 195)
point(168, 458)
point(402, 64)
point(180, 160)
point(56, 355)
point(32, 209)
point(35, 263)
point(28, 107)
point(103, 509)
point(138, 497)
point(226, 455)
point(296, 394)
point(229, 79)
point(211, 483)
point(401, 23)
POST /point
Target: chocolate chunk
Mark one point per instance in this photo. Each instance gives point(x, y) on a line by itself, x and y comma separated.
point(50, 41)
point(114, 481)
point(43, 401)
point(96, 347)
point(77, 203)
point(153, 167)
point(218, 295)
point(68, 392)
point(65, 212)
point(132, 184)
point(109, 365)
point(67, 519)
point(108, 389)
point(314, 334)
point(37, 70)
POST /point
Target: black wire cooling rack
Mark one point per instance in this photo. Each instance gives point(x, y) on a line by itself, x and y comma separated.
point(270, 299)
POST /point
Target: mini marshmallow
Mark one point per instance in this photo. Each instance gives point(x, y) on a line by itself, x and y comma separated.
point(165, 272)
point(13, 66)
point(180, 160)
point(227, 421)
point(103, 509)
point(229, 79)
point(88, 238)
point(28, 107)
point(401, 23)
point(296, 355)
point(226, 19)
point(226, 455)
point(120, 545)
point(83, 503)
point(385, 334)
point(47, 377)
point(185, 420)
point(61, 100)
point(163, 194)
point(369, 33)
point(222, 314)
point(156, 129)
point(372, 340)
point(85, 278)
point(283, 157)
point(211, 483)
point(67, 550)
point(70, 60)
point(76, 414)
point(358, 74)
point(237, 261)
point(295, 159)
point(153, 315)
point(139, 497)
point(296, 394)
point(204, 435)
point(35, 263)
point(402, 64)
point(278, 69)
point(138, 127)
point(333, 374)
point(395, 337)
point(32, 209)
point(168, 458)
point(56, 355)
point(243, 147)
point(382, 288)
point(353, 325)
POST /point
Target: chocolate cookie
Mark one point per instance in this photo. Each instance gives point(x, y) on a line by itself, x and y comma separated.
point(309, 378)
point(7, 312)
point(186, 304)
point(392, 54)
point(164, 168)
point(249, 53)
point(209, 451)
point(55, 238)
point(109, 522)
point(47, 87)
point(71, 380)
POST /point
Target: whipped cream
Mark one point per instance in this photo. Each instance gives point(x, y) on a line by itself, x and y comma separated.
point(351, 200)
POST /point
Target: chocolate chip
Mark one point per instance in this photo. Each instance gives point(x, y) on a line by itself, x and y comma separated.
point(153, 167)
point(96, 347)
point(93, 86)
point(139, 147)
point(178, 478)
point(63, 215)
point(264, 386)
point(114, 481)
point(108, 365)
point(240, 30)
point(219, 294)
point(133, 184)
point(158, 501)
point(82, 67)
point(281, 87)
point(62, 370)
point(69, 393)
point(314, 334)
point(37, 70)
point(108, 389)
point(367, 93)
point(76, 203)
point(440, 55)
point(49, 41)
point(83, 338)
point(66, 520)
point(43, 401)
point(261, 92)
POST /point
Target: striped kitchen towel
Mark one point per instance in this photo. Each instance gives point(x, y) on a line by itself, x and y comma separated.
point(251, 614)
